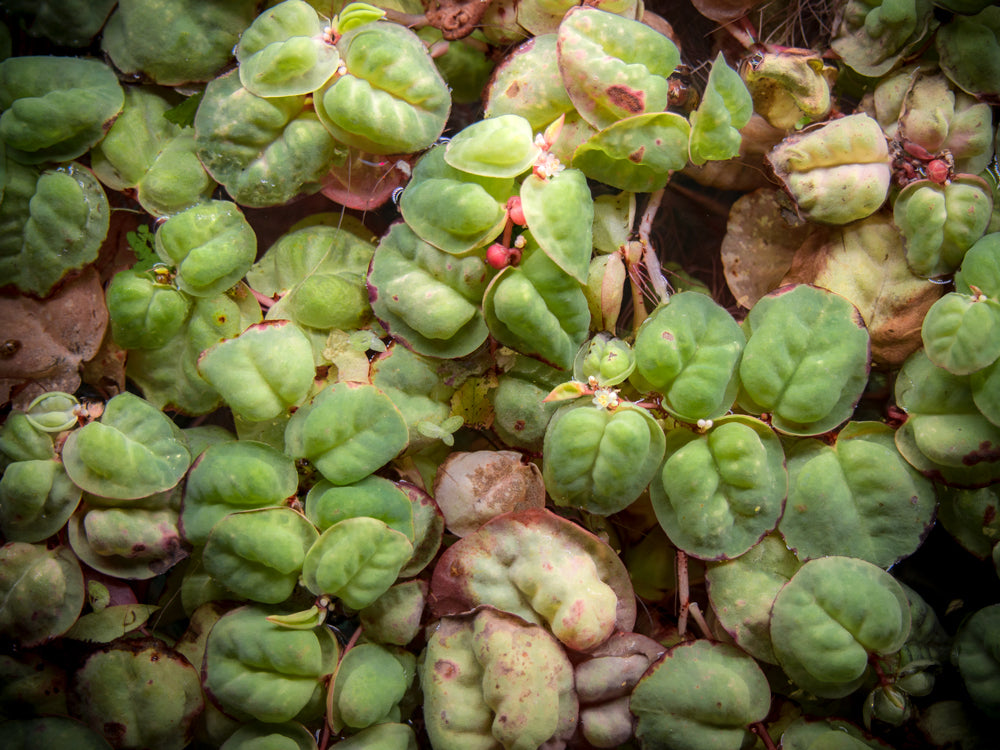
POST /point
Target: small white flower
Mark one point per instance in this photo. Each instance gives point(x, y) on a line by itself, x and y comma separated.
point(705, 424)
point(548, 165)
point(520, 242)
point(605, 398)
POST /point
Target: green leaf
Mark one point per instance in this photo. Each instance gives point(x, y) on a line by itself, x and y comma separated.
point(392, 99)
point(41, 592)
point(133, 451)
point(725, 108)
point(806, 359)
point(742, 591)
point(36, 500)
point(637, 154)
point(265, 152)
point(137, 541)
point(873, 35)
point(110, 623)
point(144, 313)
point(230, 477)
point(356, 560)
point(941, 222)
point(560, 216)
point(727, 692)
point(259, 670)
point(538, 309)
point(262, 373)
point(689, 350)
point(56, 221)
point(427, 297)
point(962, 333)
point(319, 272)
point(258, 554)
point(856, 498)
point(168, 375)
point(211, 244)
point(829, 620)
point(283, 53)
point(146, 152)
point(527, 83)
point(375, 497)
point(367, 687)
point(720, 493)
point(55, 108)
point(600, 460)
point(347, 431)
point(613, 67)
point(975, 655)
point(173, 42)
point(945, 435)
point(501, 146)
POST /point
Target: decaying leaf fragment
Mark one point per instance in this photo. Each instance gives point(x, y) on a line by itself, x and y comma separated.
point(45, 342)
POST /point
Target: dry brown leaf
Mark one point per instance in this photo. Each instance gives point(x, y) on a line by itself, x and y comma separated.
point(45, 342)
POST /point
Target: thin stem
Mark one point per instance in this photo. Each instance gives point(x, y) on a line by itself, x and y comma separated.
point(760, 730)
point(265, 301)
point(684, 591)
point(410, 20)
point(699, 619)
point(649, 257)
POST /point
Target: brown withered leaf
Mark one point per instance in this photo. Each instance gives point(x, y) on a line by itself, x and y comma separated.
point(759, 245)
point(45, 342)
point(866, 263)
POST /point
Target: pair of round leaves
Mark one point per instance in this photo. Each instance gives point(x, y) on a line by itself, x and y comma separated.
point(538, 309)
point(688, 350)
point(941, 222)
point(149, 693)
point(719, 493)
point(724, 691)
point(58, 219)
point(426, 296)
point(146, 152)
point(945, 435)
point(838, 172)
point(133, 451)
point(858, 497)
point(391, 99)
point(319, 274)
point(496, 678)
point(368, 685)
point(600, 459)
point(36, 499)
point(832, 616)
point(55, 108)
point(41, 592)
point(256, 669)
point(544, 569)
point(805, 361)
point(211, 244)
point(961, 332)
